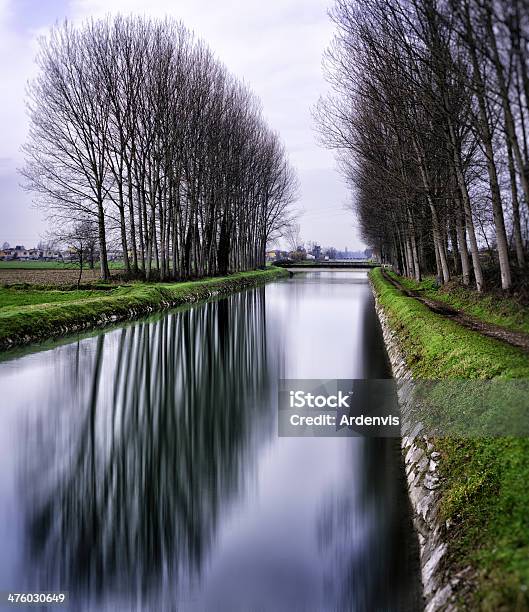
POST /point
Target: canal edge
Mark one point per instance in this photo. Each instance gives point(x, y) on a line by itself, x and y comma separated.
point(422, 478)
point(130, 309)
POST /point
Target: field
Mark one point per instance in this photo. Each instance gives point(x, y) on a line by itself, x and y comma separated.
point(14, 298)
point(16, 264)
point(50, 272)
point(48, 276)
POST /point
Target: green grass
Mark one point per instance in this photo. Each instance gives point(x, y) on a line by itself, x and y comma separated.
point(490, 308)
point(484, 481)
point(28, 314)
point(15, 264)
point(14, 297)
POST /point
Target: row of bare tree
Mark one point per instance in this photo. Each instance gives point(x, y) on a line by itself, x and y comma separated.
point(135, 125)
point(430, 114)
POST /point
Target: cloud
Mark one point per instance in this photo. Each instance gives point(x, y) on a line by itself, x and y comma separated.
point(275, 46)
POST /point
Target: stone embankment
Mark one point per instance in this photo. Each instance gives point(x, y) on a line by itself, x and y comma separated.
point(421, 464)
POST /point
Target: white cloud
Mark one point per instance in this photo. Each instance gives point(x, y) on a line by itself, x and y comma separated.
point(275, 46)
point(17, 61)
point(19, 221)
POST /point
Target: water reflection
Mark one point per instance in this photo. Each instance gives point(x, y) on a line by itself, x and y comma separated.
point(368, 551)
point(149, 474)
point(154, 424)
point(366, 535)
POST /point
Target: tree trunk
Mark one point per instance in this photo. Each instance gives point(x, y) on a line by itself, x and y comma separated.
point(517, 230)
point(105, 272)
point(486, 138)
point(462, 241)
point(467, 208)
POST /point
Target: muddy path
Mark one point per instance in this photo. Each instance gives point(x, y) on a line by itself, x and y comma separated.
point(517, 339)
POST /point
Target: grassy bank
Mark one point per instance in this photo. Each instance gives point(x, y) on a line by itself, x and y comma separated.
point(37, 264)
point(28, 314)
point(485, 498)
point(490, 308)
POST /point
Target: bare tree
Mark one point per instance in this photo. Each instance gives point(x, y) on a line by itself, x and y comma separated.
point(292, 236)
point(136, 125)
point(428, 115)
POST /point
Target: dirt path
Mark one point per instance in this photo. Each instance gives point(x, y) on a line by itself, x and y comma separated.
point(517, 339)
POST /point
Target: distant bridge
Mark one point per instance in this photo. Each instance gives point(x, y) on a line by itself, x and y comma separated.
point(340, 264)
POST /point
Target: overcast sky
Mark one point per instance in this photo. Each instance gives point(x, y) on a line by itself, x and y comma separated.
point(274, 45)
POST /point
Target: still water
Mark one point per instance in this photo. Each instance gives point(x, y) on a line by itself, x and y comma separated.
point(140, 467)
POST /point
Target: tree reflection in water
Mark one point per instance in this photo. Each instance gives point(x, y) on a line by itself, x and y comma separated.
point(151, 441)
point(365, 529)
point(138, 463)
point(366, 536)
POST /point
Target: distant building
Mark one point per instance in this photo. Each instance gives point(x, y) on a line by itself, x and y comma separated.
point(299, 254)
point(20, 253)
point(35, 254)
point(276, 255)
point(51, 254)
point(6, 254)
point(316, 251)
point(48, 254)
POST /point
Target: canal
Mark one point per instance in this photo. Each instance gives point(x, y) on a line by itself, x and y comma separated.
point(141, 467)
